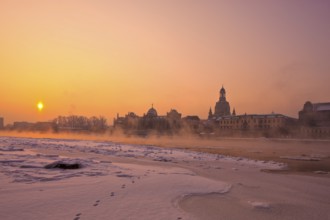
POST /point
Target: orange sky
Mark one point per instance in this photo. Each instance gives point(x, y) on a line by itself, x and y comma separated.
point(102, 57)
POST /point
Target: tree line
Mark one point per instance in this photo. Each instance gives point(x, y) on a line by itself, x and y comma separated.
point(80, 123)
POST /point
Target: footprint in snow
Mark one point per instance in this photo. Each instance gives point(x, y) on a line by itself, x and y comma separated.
point(96, 203)
point(77, 216)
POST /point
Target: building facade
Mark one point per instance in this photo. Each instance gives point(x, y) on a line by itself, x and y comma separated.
point(254, 122)
point(314, 120)
point(256, 125)
point(313, 115)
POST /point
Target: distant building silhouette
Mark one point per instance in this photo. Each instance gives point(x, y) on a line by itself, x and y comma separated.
point(132, 123)
point(254, 122)
point(193, 123)
point(23, 125)
point(234, 112)
point(254, 125)
point(222, 107)
point(29, 126)
point(174, 119)
point(225, 123)
point(1, 123)
point(317, 114)
point(210, 114)
point(152, 113)
point(314, 120)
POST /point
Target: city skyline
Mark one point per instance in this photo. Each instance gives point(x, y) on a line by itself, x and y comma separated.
point(104, 57)
point(217, 108)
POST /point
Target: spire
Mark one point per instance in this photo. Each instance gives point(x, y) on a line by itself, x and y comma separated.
point(222, 94)
point(210, 113)
point(222, 89)
point(234, 112)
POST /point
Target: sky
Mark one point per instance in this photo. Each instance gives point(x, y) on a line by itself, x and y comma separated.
point(105, 57)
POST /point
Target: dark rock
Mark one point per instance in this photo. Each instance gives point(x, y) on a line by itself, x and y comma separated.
point(63, 165)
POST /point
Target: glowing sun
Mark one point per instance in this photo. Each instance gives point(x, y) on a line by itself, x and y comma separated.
point(40, 106)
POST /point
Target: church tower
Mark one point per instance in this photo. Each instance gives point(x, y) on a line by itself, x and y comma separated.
point(222, 107)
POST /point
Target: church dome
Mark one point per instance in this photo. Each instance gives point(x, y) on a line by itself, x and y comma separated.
point(152, 112)
point(173, 111)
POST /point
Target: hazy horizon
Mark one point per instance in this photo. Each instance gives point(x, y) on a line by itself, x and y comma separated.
point(108, 57)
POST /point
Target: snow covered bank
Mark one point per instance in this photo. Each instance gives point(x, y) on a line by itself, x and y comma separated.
point(120, 181)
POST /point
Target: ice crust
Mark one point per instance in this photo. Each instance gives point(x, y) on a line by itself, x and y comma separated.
point(18, 153)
